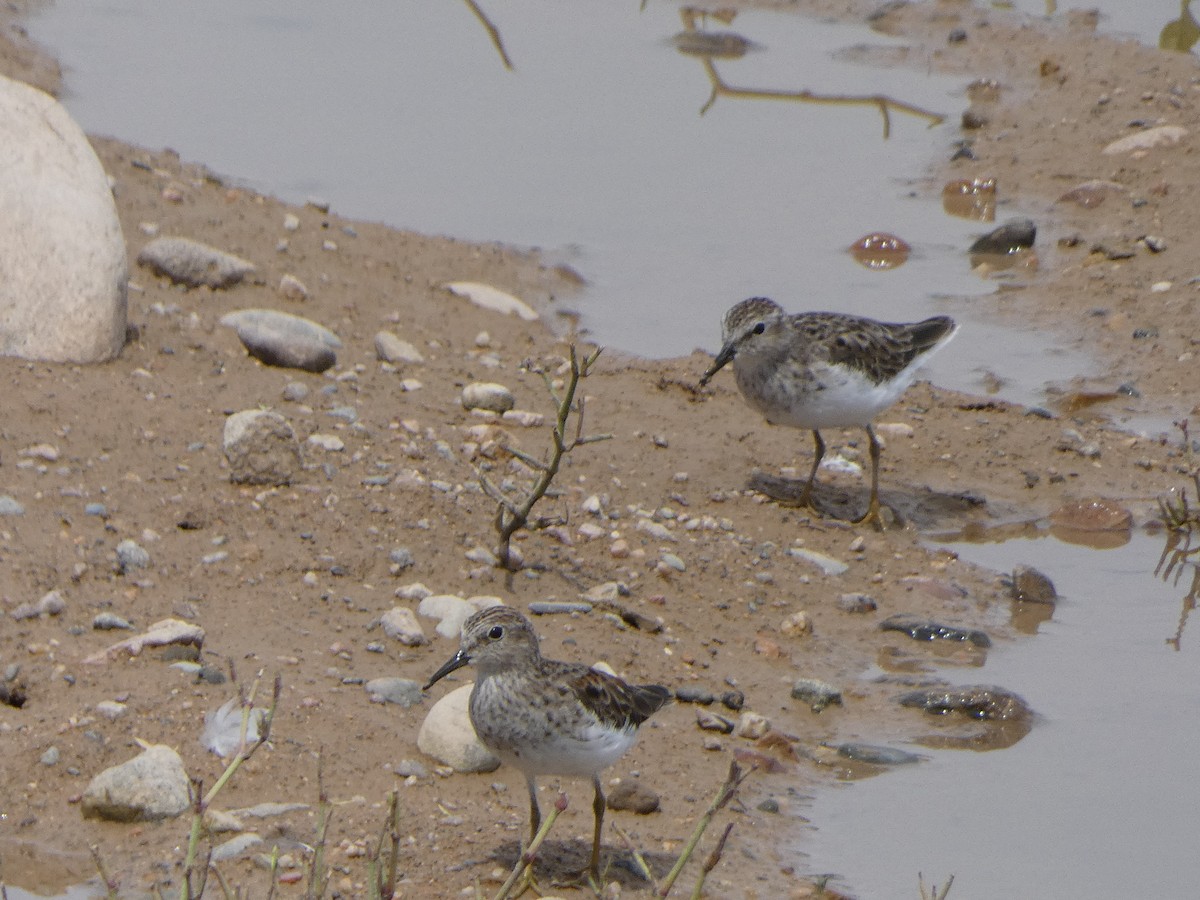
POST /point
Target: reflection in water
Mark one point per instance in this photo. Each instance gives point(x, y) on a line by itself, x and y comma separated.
point(689, 42)
point(493, 32)
point(880, 251)
point(1179, 556)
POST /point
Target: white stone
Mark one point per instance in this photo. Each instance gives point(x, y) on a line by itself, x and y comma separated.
point(523, 417)
point(488, 297)
point(448, 736)
point(63, 272)
point(152, 785)
point(192, 263)
point(328, 442)
point(400, 623)
point(292, 288)
point(1162, 136)
point(487, 395)
point(396, 350)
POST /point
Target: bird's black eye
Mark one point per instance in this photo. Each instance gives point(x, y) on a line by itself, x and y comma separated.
point(760, 328)
point(496, 632)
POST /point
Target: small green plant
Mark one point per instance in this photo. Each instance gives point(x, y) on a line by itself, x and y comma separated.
point(1176, 512)
point(382, 865)
point(934, 892)
point(515, 507)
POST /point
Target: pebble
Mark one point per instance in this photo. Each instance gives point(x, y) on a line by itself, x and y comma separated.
point(51, 604)
point(330, 443)
point(555, 607)
point(796, 624)
point(10, 507)
point(395, 350)
point(1162, 136)
point(44, 452)
point(523, 418)
point(752, 726)
point(291, 222)
point(110, 709)
point(734, 700)
point(292, 288)
point(281, 339)
point(410, 768)
point(50, 757)
point(235, 847)
point(131, 555)
point(634, 796)
point(295, 391)
point(827, 564)
point(619, 549)
point(1014, 235)
point(694, 694)
point(876, 755)
point(402, 691)
point(400, 624)
point(974, 701)
point(816, 693)
point(96, 509)
point(671, 561)
point(415, 591)
point(710, 721)
point(109, 622)
point(401, 558)
point(856, 603)
point(489, 396)
point(656, 530)
point(261, 448)
point(192, 263)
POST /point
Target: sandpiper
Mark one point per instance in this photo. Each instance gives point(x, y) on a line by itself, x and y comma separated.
point(547, 717)
point(824, 370)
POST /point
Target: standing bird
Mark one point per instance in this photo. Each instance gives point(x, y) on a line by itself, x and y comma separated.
point(824, 370)
point(547, 717)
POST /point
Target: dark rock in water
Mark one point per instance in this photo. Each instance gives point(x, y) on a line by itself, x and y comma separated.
point(1031, 586)
point(925, 630)
point(978, 701)
point(633, 795)
point(817, 694)
point(692, 694)
point(876, 755)
point(1014, 235)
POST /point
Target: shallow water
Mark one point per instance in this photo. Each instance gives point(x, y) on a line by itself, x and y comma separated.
point(592, 147)
point(1099, 800)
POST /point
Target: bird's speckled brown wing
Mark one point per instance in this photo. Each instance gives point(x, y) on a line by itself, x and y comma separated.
point(607, 697)
point(880, 350)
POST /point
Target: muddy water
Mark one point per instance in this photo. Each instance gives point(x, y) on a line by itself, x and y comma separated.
point(592, 147)
point(1101, 798)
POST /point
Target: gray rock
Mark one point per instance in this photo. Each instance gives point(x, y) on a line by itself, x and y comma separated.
point(132, 555)
point(152, 785)
point(295, 391)
point(51, 604)
point(402, 691)
point(816, 693)
point(977, 701)
point(410, 768)
point(281, 339)
point(555, 607)
point(192, 263)
point(693, 694)
point(10, 507)
point(710, 721)
point(488, 395)
point(50, 757)
point(107, 621)
point(261, 448)
point(63, 294)
point(857, 603)
point(235, 847)
point(396, 350)
point(96, 509)
point(1014, 235)
point(401, 558)
point(400, 623)
point(925, 630)
point(448, 736)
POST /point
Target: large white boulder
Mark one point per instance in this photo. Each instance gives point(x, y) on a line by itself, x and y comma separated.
point(63, 270)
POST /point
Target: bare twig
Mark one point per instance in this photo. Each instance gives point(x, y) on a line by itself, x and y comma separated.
point(317, 876)
point(110, 886)
point(493, 33)
point(710, 862)
point(724, 795)
point(514, 514)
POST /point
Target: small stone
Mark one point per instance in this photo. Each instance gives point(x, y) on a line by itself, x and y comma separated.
point(825, 563)
point(733, 700)
point(330, 443)
point(295, 391)
point(292, 288)
point(131, 555)
point(487, 395)
point(50, 757)
point(45, 452)
point(619, 549)
point(710, 721)
point(96, 509)
point(401, 558)
point(395, 350)
point(110, 709)
point(291, 222)
point(487, 297)
point(410, 768)
point(1150, 138)
point(192, 263)
point(107, 621)
point(280, 339)
point(401, 691)
point(796, 624)
point(1092, 515)
point(753, 726)
point(925, 630)
point(152, 785)
point(1014, 235)
point(400, 623)
point(554, 607)
point(856, 603)
point(816, 693)
point(634, 796)
point(523, 418)
point(261, 448)
point(10, 507)
point(693, 694)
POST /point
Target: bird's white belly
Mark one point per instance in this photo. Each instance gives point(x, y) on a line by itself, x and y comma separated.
point(834, 397)
point(585, 753)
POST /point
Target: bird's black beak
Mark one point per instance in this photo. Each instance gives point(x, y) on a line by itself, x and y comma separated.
point(727, 353)
point(457, 661)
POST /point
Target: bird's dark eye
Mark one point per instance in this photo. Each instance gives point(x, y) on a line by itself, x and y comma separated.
point(760, 328)
point(496, 632)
